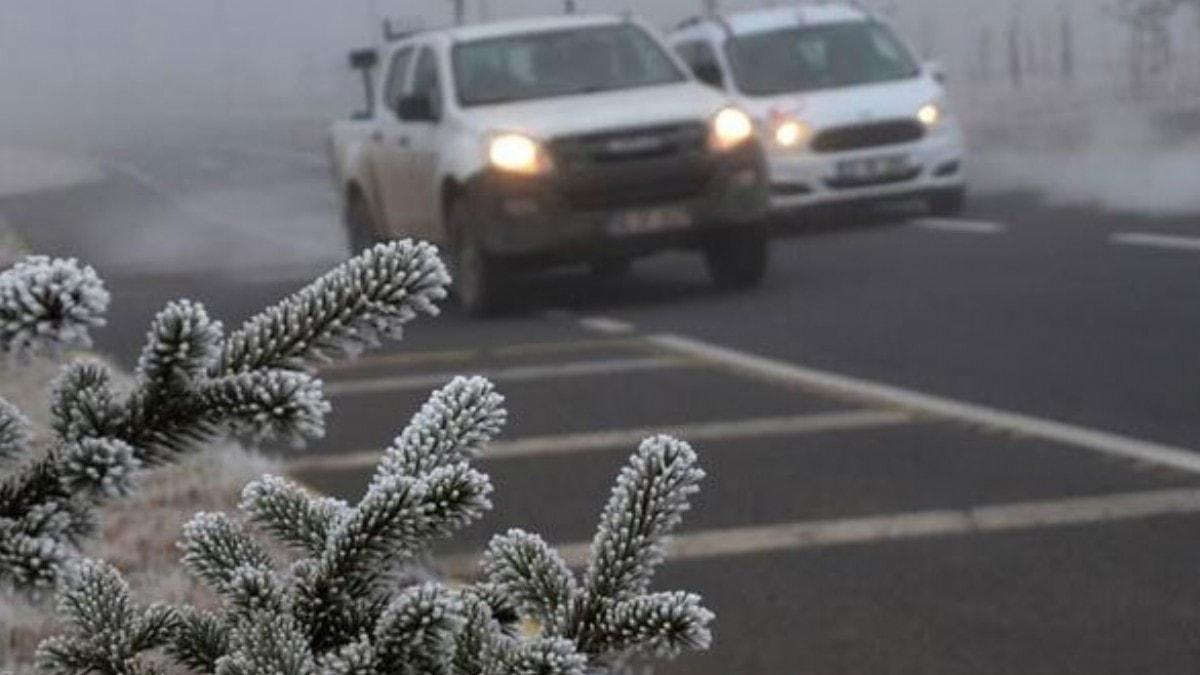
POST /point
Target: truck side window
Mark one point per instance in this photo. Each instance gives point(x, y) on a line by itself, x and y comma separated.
point(702, 59)
point(397, 77)
point(426, 83)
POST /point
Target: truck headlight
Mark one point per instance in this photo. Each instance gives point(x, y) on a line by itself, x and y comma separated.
point(730, 128)
point(930, 114)
point(516, 153)
point(792, 133)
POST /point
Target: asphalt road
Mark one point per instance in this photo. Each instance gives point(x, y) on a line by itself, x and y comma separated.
point(934, 446)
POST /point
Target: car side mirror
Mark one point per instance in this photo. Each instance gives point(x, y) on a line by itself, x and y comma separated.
point(710, 73)
point(937, 71)
point(416, 109)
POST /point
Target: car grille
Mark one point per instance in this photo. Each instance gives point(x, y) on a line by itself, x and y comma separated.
point(870, 135)
point(633, 167)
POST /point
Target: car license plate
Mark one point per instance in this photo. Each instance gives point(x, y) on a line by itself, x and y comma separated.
point(873, 168)
point(648, 221)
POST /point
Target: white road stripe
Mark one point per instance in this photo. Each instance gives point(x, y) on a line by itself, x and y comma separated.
point(956, 225)
point(1151, 240)
point(410, 358)
point(882, 394)
point(848, 420)
point(798, 536)
point(606, 325)
point(350, 387)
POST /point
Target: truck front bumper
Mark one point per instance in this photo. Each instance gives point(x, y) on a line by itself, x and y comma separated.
point(626, 209)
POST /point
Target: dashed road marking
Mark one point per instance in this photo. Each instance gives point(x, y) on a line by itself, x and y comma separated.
point(351, 387)
point(882, 394)
point(564, 444)
point(606, 325)
point(959, 226)
point(1151, 240)
point(400, 359)
point(798, 536)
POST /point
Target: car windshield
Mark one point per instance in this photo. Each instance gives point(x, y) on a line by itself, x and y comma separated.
point(560, 63)
point(818, 57)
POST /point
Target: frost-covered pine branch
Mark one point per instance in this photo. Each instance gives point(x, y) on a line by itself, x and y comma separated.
point(192, 385)
point(333, 609)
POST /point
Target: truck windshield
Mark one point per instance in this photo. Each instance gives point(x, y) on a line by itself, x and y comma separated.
point(818, 57)
point(560, 63)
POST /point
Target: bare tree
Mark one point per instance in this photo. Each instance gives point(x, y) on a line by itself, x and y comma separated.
point(1148, 22)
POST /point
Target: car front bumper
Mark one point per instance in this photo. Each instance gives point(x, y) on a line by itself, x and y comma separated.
point(935, 163)
point(627, 209)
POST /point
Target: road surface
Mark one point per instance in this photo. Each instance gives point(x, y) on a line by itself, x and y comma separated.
point(933, 445)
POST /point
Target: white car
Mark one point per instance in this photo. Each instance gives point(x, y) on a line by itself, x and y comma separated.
point(537, 142)
point(846, 112)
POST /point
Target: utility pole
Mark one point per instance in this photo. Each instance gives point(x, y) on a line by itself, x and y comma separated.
point(569, 6)
point(460, 12)
point(712, 7)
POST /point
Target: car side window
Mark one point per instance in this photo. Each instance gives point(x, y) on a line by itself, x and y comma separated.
point(702, 59)
point(427, 83)
point(397, 78)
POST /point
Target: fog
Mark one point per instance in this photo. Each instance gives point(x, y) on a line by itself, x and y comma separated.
point(83, 74)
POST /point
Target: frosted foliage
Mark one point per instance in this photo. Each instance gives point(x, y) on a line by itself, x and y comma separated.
point(332, 608)
point(47, 304)
point(192, 386)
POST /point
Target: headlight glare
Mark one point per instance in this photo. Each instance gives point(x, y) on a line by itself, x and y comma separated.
point(517, 153)
point(930, 114)
point(730, 128)
point(792, 134)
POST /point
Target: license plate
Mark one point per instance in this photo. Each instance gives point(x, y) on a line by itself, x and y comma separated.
point(648, 221)
point(873, 168)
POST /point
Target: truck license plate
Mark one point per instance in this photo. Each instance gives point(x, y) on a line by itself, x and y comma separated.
point(647, 221)
point(873, 168)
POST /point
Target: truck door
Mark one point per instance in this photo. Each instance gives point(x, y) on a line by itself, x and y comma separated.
point(423, 131)
point(389, 154)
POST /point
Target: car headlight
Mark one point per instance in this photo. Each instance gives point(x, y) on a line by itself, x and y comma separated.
point(730, 128)
point(930, 114)
point(517, 153)
point(792, 133)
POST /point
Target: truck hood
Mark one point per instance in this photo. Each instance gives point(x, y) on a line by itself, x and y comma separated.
point(851, 105)
point(588, 113)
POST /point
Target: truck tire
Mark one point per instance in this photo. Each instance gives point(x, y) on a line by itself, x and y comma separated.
point(947, 203)
point(360, 225)
point(737, 259)
point(479, 284)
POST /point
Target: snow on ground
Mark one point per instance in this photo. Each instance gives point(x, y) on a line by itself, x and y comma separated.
point(26, 170)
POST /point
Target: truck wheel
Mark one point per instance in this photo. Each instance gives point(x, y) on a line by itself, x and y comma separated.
point(947, 202)
point(479, 284)
point(360, 225)
point(737, 259)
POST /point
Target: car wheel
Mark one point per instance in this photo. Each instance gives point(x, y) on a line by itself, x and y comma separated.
point(360, 225)
point(479, 284)
point(737, 259)
point(947, 202)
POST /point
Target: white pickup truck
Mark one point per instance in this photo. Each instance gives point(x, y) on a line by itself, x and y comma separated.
point(526, 144)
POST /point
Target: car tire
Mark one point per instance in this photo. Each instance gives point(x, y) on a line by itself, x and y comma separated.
point(479, 284)
point(737, 259)
point(950, 202)
point(360, 224)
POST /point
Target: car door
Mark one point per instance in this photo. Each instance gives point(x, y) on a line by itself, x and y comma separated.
point(424, 142)
point(389, 151)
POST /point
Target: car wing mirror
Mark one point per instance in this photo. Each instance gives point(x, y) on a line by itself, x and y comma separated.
point(937, 71)
point(710, 73)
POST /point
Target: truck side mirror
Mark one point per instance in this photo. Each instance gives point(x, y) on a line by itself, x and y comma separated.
point(709, 73)
point(416, 109)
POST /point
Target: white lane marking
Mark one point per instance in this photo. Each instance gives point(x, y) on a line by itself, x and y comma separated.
point(606, 325)
point(960, 226)
point(848, 420)
point(883, 394)
point(514, 374)
point(1147, 239)
point(802, 535)
point(409, 358)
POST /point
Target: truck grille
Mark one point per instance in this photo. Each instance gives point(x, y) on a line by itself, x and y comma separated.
point(871, 135)
point(633, 167)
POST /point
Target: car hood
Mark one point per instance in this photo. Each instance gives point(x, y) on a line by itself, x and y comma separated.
point(851, 105)
point(600, 111)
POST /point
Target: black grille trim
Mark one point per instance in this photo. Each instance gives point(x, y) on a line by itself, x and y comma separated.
point(619, 146)
point(872, 135)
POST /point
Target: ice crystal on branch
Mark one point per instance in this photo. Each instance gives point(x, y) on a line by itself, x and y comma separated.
point(191, 386)
point(334, 610)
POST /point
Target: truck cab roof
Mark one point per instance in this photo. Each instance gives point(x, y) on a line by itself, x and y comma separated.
point(765, 20)
point(544, 24)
